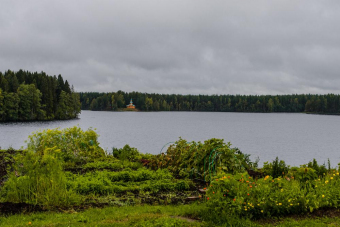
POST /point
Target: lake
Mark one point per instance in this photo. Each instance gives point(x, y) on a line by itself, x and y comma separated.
point(294, 138)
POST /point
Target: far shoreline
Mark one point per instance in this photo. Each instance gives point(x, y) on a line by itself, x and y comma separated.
point(194, 111)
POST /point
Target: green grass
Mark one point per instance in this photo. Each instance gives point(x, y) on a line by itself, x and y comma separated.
point(182, 215)
point(111, 216)
point(317, 222)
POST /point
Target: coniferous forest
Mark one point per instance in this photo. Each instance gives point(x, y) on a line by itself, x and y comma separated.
point(323, 104)
point(27, 96)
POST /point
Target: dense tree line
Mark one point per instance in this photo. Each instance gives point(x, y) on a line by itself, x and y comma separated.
point(26, 96)
point(329, 103)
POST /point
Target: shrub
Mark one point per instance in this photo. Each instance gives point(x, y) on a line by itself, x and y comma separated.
point(304, 174)
point(277, 168)
point(38, 179)
point(201, 160)
point(241, 196)
point(6, 161)
point(104, 182)
point(320, 170)
point(75, 145)
point(127, 153)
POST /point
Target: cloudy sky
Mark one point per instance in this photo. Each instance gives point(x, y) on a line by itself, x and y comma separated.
point(177, 46)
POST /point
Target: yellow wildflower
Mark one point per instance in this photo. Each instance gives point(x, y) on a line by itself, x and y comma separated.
point(323, 196)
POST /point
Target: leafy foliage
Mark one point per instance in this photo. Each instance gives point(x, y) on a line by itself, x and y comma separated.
point(240, 195)
point(117, 165)
point(201, 160)
point(38, 179)
point(127, 153)
point(103, 183)
point(75, 144)
point(26, 96)
point(277, 168)
point(320, 170)
point(39, 176)
point(6, 161)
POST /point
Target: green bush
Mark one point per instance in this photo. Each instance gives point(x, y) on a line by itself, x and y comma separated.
point(75, 145)
point(240, 195)
point(6, 161)
point(277, 168)
point(127, 153)
point(201, 160)
point(306, 176)
point(38, 179)
point(320, 170)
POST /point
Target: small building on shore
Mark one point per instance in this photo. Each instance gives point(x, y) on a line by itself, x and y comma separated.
point(130, 106)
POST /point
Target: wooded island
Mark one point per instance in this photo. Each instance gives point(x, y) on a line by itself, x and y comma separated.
point(27, 96)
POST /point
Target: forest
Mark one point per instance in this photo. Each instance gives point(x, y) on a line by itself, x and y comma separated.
point(310, 103)
point(27, 96)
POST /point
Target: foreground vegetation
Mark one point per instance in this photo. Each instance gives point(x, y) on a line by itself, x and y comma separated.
point(70, 180)
point(181, 215)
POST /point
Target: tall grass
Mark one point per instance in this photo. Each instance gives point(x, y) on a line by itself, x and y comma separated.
point(38, 179)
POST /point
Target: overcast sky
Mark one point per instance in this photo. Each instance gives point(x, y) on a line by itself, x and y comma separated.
point(177, 46)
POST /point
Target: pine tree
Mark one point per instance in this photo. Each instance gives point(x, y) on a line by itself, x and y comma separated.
point(2, 112)
point(11, 106)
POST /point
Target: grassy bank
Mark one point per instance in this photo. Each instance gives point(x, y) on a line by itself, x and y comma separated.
point(110, 216)
point(181, 215)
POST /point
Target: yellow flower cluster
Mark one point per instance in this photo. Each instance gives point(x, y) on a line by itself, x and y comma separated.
point(250, 205)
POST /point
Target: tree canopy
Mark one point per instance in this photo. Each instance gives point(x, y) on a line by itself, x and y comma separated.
point(295, 103)
point(27, 96)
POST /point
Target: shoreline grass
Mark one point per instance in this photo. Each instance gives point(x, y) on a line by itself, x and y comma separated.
point(150, 215)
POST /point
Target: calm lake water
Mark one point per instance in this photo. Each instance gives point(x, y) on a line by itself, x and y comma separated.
point(295, 138)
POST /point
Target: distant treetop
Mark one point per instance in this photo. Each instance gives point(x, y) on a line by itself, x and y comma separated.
point(325, 104)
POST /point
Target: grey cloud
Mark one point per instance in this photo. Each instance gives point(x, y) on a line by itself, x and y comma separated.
point(194, 46)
